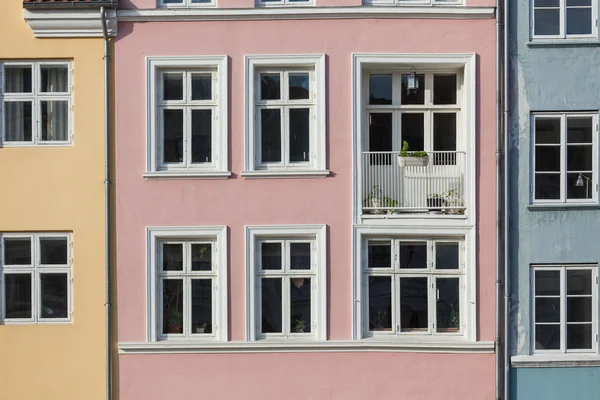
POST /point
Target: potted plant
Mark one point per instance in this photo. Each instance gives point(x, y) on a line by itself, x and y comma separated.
point(174, 320)
point(300, 325)
point(201, 328)
point(435, 202)
point(378, 321)
point(408, 158)
point(377, 201)
point(454, 203)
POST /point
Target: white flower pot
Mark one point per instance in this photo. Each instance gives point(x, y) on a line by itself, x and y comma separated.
point(413, 161)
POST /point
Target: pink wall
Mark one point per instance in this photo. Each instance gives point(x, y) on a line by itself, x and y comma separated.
point(237, 202)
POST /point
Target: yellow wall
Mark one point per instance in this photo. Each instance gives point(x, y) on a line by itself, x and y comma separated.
point(58, 189)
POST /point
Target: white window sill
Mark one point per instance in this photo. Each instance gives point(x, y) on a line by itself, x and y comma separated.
point(306, 346)
point(556, 360)
point(187, 175)
point(554, 42)
point(286, 174)
point(562, 206)
point(29, 145)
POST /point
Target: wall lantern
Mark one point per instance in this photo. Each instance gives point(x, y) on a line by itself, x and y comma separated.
point(412, 83)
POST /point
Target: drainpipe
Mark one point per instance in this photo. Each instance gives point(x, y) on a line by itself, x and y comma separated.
point(507, 282)
point(107, 198)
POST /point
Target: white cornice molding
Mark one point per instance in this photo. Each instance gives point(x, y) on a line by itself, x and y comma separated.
point(60, 23)
point(245, 14)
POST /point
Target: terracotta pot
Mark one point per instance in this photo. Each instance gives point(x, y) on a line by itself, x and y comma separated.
point(174, 328)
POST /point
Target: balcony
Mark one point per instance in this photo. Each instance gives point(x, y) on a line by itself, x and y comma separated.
point(437, 187)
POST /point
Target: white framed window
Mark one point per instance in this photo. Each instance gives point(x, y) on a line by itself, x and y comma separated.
point(285, 127)
point(563, 19)
point(35, 283)
point(36, 103)
point(187, 109)
point(564, 161)
point(279, 3)
point(564, 311)
point(187, 284)
point(286, 282)
point(411, 2)
point(186, 3)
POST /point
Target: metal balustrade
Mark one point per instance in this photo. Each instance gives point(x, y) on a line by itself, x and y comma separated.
point(436, 185)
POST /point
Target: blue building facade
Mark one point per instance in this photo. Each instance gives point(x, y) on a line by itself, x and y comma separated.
point(554, 213)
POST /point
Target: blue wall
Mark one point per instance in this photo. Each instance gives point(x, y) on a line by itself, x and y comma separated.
point(556, 383)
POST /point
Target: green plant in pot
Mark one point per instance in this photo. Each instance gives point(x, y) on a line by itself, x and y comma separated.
point(377, 201)
point(201, 328)
point(408, 158)
point(174, 320)
point(300, 325)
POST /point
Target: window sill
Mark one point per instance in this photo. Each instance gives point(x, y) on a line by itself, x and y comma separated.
point(187, 175)
point(591, 42)
point(367, 345)
point(563, 206)
point(285, 174)
point(555, 360)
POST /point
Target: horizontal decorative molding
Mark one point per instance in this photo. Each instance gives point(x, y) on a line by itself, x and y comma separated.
point(311, 347)
point(244, 14)
point(286, 174)
point(69, 23)
point(187, 175)
point(555, 360)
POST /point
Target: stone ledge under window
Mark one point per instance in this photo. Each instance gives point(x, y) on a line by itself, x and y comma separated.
point(305, 346)
point(563, 206)
point(555, 361)
point(592, 42)
point(187, 175)
point(286, 174)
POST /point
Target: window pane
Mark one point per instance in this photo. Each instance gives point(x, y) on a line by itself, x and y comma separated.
point(300, 255)
point(579, 282)
point(201, 136)
point(547, 337)
point(55, 300)
point(54, 79)
point(579, 336)
point(446, 256)
point(202, 306)
point(572, 3)
point(547, 309)
point(201, 257)
point(172, 257)
point(444, 138)
point(380, 89)
point(448, 305)
point(413, 254)
point(172, 305)
point(173, 136)
point(579, 129)
point(547, 22)
point(299, 86)
point(300, 298)
point(270, 87)
point(547, 283)
point(380, 255)
point(18, 79)
point(547, 3)
point(579, 158)
point(17, 251)
point(579, 309)
point(380, 133)
point(270, 135)
point(17, 295)
point(547, 158)
point(201, 86)
point(413, 304)
point(173, 86)
point(579, 21)
point(18, 120)
point(55, 120)
point(299, 134)
point(580, 192)
point(413, 128)
point(547, 130)
point(54, 251)
point(444, 89)
point(271, 308)
point(414, 96)
point(380, 303)
point(547, 186)
point(271, 257)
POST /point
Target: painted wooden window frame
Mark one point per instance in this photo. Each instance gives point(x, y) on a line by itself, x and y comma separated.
point(563, 155)
point(36, 97)
point(216, 235)
point(35, 269)
point(218, 67)
point(185, 4)
point(563, 22)
point(316, 234)
point(563, 320)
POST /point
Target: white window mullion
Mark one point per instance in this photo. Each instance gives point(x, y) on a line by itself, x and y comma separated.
point(563, 18)
point(187, 137)
point(563, 158)
point(187, 306)
point(396, 306)
point(285, 136)
point(563, 310)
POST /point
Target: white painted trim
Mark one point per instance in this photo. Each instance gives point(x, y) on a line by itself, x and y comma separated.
point(271, 13)
point(219, 234)
point(256, 232)
point(315, 61)
point(285, 174)
point(220, 149)
point(187, 175)
point(186, 4)
point(285, 3)
point(555, 360)
point(69, 23)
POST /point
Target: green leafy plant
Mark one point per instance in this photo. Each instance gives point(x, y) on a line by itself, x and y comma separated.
point(405, 152)
point(378, 200)
point(300, 325)
point(379, 318)
point(453, 318)
point(174, 317)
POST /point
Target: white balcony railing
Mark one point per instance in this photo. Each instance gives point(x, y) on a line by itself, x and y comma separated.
point(436, 187)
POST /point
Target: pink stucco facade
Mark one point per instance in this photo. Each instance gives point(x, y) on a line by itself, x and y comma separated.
point(238, 201)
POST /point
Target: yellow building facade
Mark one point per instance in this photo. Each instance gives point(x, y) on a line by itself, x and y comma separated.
point(52, 208)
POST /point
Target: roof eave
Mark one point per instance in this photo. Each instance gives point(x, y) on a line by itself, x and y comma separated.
point(70, 5)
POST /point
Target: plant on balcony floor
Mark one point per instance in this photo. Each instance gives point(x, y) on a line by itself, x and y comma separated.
point(408, 158)
point(454, 203)
point(378, 202)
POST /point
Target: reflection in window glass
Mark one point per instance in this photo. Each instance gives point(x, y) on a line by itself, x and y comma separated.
point(300, 255)
point(53, 250)
point(380, 89)
point(17, 296)
point(201, 256)
point(299, 86)
point(270, 86)
point(54, 292)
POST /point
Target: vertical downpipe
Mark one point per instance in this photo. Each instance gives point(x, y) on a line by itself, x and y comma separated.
point(507, 285)
point(107, 199)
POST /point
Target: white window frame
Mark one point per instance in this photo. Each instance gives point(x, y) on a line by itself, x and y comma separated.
point(563, 23)
point(35, 270)
point(36, 97)
point(412, 2)
point(217, 235)
point(255, 64)
point(218, 66)
point(563, 158)
point(563, 318)
point(316, 234)
point(186, 4)
point(284, 3)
